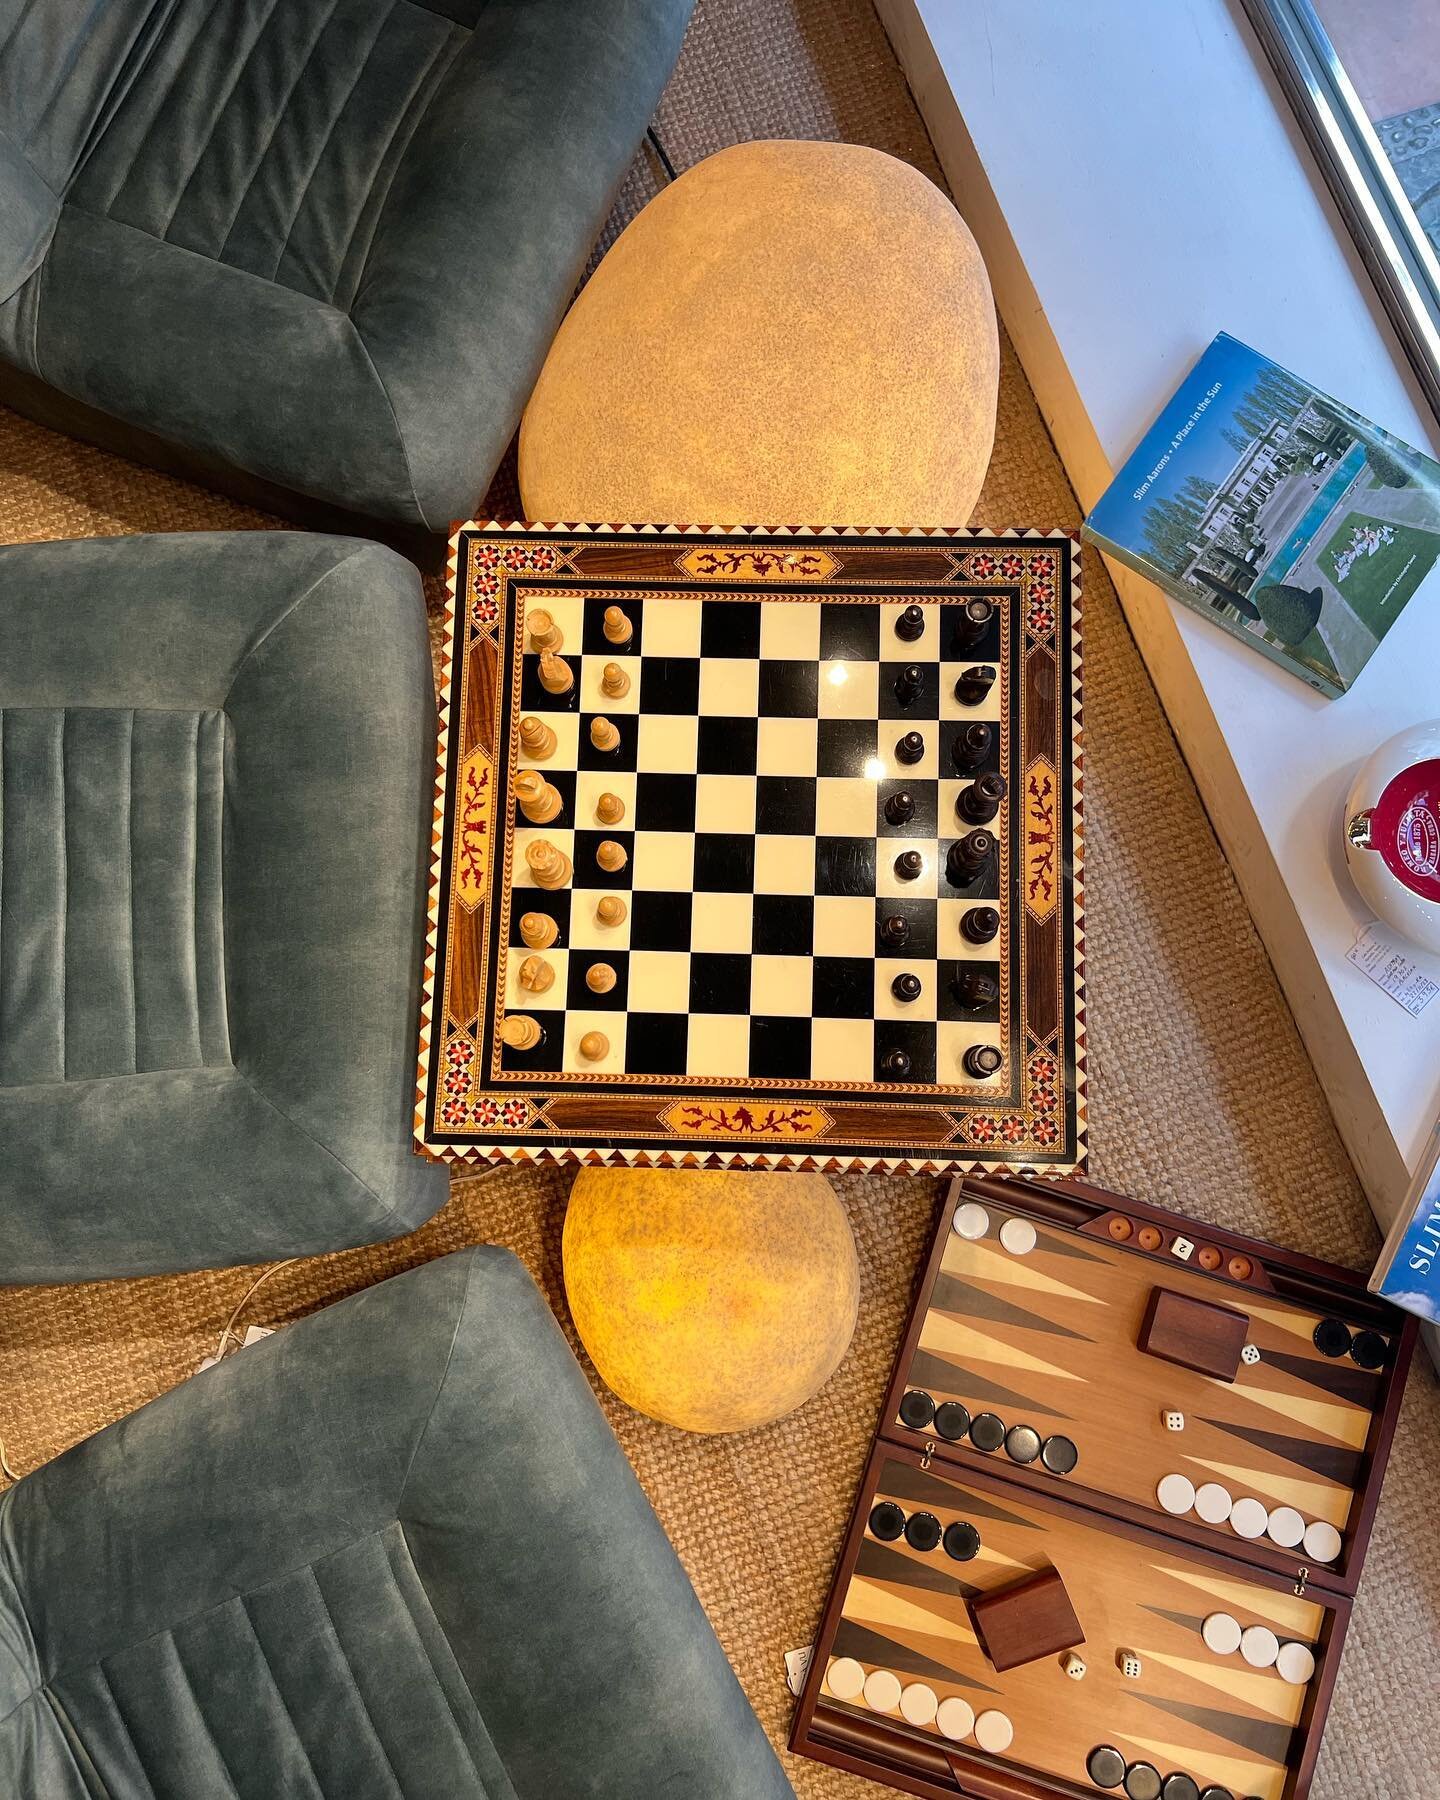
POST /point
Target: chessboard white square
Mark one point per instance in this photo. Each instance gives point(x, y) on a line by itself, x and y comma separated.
point(781, 986)
point(845, 806)
point(844, 926)
point(952, 942)
point(566, 753)
point(843, 1050)
point(923, 649)
point(921, 1010)
point(926, 884)
point(786, 746)
point(594, 700)
point(722, 922)
point(667, 743)
point(725, 803)
point(525, 835)
point(789, 631)
point(568, 612)
point(590, 784)
point(729, 687)
point(586, 930)
point(612, 1024)
point(719, 1044)
point(659, 981)
point(849, 690)
point(784, 865)
point(520, 999)
point(672, 627)
point(953, 1037)
point(664, 861)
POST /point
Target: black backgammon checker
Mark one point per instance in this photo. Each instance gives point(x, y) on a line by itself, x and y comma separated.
point(1207, 1532)
point(837, 778)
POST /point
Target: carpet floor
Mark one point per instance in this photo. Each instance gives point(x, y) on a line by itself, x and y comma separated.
point(1201, 1095)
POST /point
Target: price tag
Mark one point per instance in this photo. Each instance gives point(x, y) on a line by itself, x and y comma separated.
point(1391, 966)
point(797, 1665)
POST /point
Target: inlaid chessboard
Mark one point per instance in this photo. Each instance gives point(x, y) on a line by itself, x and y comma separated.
point(1207, 1517)
point(785, 914)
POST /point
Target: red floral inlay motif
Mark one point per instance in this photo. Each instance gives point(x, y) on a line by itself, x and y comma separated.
point(1042, 1097)
point(453, 1113)
point(473, 820)
point(459, 1052)
point(1040, 837)
point(1043, 1066)
point(514, 1113)
point(1042, 564)
point(486, 609)
point(1045, 1131)
point(486, 1111)
point(1042, 590)
point(542, 556)
point(983, 1129)
point(1040, 620)
point(982, 565)
point(1011, 566)
point(1012, 1128)
point(457, 1081)
point(485, 586)
point(485, 556)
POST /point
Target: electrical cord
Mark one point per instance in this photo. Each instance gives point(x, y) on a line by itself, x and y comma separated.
point(665, 162)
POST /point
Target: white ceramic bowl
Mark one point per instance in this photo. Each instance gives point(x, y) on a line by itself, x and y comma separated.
point(1392, 834)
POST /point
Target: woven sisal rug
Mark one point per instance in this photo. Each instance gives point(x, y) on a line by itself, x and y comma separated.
point(1201, 1094)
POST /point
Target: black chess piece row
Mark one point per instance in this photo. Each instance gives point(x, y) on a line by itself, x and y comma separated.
point(968, 750)
point(971, 687)
point(969, 622)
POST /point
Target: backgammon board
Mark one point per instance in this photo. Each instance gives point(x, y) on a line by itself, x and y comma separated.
point(758, 849)
point(1110, 1532)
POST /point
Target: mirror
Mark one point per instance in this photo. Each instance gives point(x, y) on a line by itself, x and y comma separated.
point(1364, 78)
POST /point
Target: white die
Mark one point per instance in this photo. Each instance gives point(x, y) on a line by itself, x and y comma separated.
point(1129, 1665)
point(1174, 1421)
point(1074, 1666)
point(1183, 1248)
point(1250, 1354)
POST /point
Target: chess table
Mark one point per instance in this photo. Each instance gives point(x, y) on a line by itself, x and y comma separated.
point(758, 849)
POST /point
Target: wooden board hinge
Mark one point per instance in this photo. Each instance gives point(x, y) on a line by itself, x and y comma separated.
point(929, 1452)
point(1301, 1578)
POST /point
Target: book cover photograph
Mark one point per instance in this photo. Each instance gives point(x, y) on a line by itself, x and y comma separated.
point(1277, 512)
point(1408, 1272)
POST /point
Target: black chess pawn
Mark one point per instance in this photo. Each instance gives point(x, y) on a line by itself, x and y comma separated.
point(982, 1061)
point(895, 931)
point(971, 746)
point(910, 748)
point(974, 989)
point(896, 1063)
point(899, 808)
point(967, 858)
point(911, 624)
point(908, 683)
point(980, 802)
point(974, 684)
point(906, 987)
point(909, 865)
point(973, 621)
point(980, 925)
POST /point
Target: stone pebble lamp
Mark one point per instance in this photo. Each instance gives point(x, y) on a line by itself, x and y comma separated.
point(789, 334)
point(712, 1302)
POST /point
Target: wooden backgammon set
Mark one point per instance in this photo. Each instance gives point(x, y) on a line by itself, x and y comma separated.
point(1110, 1531)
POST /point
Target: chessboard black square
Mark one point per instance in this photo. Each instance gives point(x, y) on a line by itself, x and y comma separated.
point(719, 982)
point(656, 1043)
point(730, 628)
point(844, 865)
point(548, 1055)
point(555, 903)
point(580, 997)
point(849, 631)
point(724, 864)
point(593, 640)
point(916, 1039)
point(925, 795)
point(843, 987)
point(920, 916)
point(985, 886)
point(780, 1048)
point(534, 698)
point(950, 1008)
point(589, 874)
point(623, 756)
point(844, 746)
point(783, 925)
point(660, 920)
point(922, 705)
point(789, 690)
point(727, 746)
point(785, 804)
point(664, 802)
point(950, 731)
point(670, 684)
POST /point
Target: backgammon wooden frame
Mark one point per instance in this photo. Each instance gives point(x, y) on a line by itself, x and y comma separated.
point(887, 1749)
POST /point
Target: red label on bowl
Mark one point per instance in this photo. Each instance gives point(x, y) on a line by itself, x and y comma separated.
point(1405, 828)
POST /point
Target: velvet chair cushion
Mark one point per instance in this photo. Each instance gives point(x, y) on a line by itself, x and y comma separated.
point(393, 1551)
point(325, 242)
point(215, 760)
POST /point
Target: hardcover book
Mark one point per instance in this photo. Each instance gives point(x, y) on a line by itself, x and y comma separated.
point(1277, 512)
point(1408, 1272)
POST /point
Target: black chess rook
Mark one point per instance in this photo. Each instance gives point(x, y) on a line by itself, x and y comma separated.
point(980, 801)
point(971, 747)
point(968, 858)
point(981, 1061)
point(972, 621)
